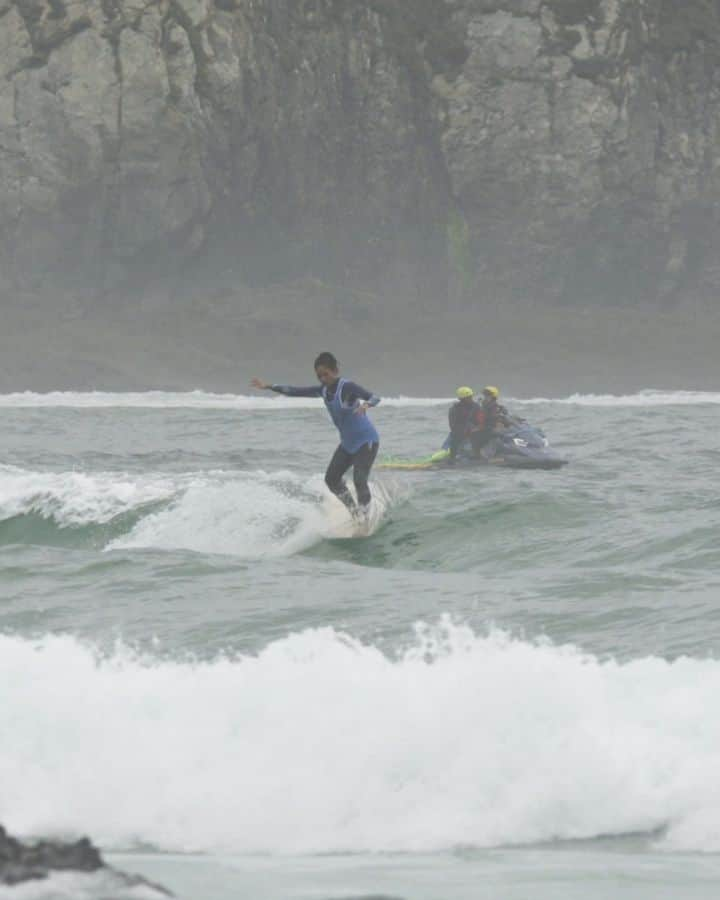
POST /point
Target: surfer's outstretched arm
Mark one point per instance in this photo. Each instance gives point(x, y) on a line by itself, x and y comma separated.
point(288, 390)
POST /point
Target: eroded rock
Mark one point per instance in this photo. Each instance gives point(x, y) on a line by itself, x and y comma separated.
point(575, 141)
point(21, 862)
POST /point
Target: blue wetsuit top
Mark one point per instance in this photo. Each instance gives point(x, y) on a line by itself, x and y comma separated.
point(341, 399)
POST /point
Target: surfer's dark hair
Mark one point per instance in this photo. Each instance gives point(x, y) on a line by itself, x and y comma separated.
point(327, 360)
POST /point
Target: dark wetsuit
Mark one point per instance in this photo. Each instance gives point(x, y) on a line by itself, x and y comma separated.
point(493, 415)
point(467, 421)
point(359, 440)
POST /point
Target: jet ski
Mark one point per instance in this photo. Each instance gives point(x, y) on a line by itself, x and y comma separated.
point(519, 446)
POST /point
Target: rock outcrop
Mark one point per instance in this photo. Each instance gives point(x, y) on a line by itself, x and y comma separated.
point(561, 148)
point(21, 862)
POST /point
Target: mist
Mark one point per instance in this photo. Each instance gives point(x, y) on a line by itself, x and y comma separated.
point(508, 190)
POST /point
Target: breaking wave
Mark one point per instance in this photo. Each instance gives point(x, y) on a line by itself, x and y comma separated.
point(320, 743)
point(178, 400)
point(641, 399)
point(204, 400)
point(247, 514)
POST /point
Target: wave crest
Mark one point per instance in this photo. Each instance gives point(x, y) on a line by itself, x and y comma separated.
point(322, 743)
point(206, 400)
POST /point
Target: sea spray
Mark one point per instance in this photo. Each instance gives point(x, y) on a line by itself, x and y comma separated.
point(321, 743)
point(81, 498)
point(180, 400)
point(246, 514)
point(251, 514)
point(203, 400)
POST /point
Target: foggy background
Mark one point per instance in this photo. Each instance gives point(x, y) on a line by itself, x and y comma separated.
point(523, 192)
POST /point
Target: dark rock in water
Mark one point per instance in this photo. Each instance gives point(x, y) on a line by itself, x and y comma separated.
point(23, 862)
point(27, 862)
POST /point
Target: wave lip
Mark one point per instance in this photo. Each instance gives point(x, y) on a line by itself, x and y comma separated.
point(250, 514)
point(640, 399)
point(178, 400)
point(320, 743)
point(207, 400)
point(75, 499)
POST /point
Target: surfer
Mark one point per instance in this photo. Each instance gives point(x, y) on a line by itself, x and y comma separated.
point(347, 403)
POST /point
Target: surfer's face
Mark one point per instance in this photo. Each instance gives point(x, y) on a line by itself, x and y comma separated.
point(325, 375)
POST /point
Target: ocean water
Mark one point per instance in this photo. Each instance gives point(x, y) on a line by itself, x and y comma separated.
point(510, 690)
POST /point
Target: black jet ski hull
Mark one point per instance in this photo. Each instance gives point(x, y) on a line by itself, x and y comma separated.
point(519, 447)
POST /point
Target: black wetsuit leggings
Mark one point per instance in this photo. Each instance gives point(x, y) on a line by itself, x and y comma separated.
point(361, 461)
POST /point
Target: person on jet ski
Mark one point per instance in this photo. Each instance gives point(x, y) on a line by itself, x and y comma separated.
point(494, 419)
point(494, 412)
point(467, 422)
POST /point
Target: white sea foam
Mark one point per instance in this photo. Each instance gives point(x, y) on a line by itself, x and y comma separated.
point(78, 498)
point(244, 514)
point(641, 399)
point(104, 883)
point(181, 400)
point(252, 514)
point(321, 743)
point(204, 400)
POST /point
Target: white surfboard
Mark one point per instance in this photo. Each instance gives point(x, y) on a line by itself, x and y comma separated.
point(343, 526)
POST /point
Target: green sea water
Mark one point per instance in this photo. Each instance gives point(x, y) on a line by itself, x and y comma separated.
point(508, 690)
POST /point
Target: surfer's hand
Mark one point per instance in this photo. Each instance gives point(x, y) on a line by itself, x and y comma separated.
point(361, 409)
point(259, 384)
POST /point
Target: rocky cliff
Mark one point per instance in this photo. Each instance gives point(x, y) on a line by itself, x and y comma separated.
point(22, 862)
point(564, 149)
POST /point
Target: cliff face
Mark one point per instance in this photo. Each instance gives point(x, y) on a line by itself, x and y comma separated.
point(581, 137)
point(562, 148)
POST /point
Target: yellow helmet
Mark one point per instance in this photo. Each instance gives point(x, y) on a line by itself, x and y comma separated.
point(493, 391)
point(465, 392)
